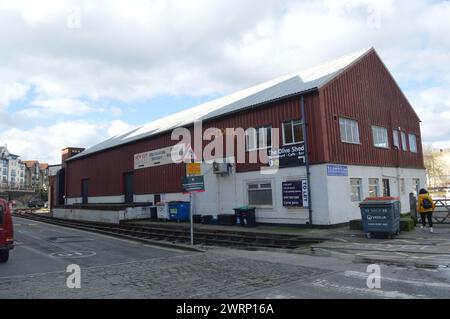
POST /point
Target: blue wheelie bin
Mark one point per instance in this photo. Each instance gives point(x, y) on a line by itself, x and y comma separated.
point(179, 211)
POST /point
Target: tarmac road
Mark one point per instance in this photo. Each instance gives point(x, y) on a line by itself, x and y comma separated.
point(41, 248)
point(117, 268)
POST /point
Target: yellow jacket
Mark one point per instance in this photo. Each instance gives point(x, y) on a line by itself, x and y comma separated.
point(420, 207)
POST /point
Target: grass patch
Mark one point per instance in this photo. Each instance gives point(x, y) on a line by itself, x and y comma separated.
point(407, 224)
point(356, 224)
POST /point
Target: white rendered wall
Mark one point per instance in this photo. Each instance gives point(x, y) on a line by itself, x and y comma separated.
point(89, 215)
point(342, 209)
point(330, 196)
point(226, 192)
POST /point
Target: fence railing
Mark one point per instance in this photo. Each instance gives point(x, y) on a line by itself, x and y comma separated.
point(442, 212)
point(15, 189)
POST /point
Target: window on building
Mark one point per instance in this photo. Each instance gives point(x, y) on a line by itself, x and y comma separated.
point(412, 143)
point(356, 188)
point(380, 137)
point(259, 138)
point(402, 185)
point(374, 187)
point(292, 132)
point(386, 188)
point(404, 146)
point(349, 131)
point(416, 186)
point(260, 194)
point(396, 139)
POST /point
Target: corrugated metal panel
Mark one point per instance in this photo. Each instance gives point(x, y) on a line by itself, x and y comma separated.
point(105, 169)
point(285, 86)
point(368, 93)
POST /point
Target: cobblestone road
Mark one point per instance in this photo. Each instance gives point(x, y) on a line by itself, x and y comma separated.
point(199, 275)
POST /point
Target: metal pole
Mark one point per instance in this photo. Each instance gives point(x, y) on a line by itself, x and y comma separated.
point(308, 173)
point(191, 201)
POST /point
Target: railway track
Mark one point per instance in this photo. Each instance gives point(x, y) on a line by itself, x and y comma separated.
point(173, 235)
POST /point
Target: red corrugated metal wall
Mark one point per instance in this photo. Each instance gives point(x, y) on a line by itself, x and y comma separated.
point(365, 92)
point(105, 170)
point(368, 93)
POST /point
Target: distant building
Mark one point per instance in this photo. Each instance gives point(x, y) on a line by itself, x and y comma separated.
point(12, 170)
point(36, 174)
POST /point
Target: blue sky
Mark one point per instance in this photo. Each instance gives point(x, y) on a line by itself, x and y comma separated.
point(77, 72)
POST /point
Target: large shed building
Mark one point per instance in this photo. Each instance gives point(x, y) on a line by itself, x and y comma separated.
point(350, 131)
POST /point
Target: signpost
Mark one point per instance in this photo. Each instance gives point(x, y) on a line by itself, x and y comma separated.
point(193, 169)
point(192, 183)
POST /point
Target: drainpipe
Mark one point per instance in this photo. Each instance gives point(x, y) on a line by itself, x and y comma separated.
point(308, 173)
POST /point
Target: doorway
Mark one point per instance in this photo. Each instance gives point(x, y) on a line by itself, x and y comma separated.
point(129, 187)
point(386, 188)
point(85, 191)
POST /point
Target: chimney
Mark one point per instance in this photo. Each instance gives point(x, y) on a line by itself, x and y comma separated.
point(69, 152)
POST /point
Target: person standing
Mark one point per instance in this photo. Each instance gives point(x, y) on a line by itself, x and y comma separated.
point(426, 206)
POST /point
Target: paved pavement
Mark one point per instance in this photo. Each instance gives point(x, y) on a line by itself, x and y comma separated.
point(417, 248)
point(115, 268)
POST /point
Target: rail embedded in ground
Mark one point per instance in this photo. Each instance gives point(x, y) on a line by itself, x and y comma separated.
point(161, 235)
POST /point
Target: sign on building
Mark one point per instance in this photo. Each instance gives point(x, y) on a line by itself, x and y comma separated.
point(288, 156)
point(192, 184)
point(193, 169)
point(337, 170)
point(162, 156)
point(295, 194)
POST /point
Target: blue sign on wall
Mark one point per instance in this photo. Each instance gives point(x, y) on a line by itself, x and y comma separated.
point(295, 194)
point(337, 170)
point(292, 194)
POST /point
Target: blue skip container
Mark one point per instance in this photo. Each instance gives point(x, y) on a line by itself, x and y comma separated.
point(179, 211)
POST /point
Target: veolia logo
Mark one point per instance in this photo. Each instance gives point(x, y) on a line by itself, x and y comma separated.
point(369, 217)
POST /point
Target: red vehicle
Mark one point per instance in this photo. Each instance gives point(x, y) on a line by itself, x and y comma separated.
point(6, 231)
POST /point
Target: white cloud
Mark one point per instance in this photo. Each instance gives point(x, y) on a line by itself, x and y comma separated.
point(118, 127)
point(45, 143)
point(61, 106)
point(127, 50)
point(10, 92)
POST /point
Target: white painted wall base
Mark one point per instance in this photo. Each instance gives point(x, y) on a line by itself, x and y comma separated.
point(104, 216)
point(330, 195)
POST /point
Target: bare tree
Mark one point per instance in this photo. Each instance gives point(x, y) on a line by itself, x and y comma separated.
point(436, 166)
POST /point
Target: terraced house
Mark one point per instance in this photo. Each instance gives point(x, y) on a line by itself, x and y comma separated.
point(12, 170)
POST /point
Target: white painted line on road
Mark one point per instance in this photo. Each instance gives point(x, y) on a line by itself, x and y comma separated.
point(361, 275)
point(74, 254)
point(322, 283)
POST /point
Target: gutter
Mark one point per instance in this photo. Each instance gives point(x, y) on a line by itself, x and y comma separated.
point(308, 173)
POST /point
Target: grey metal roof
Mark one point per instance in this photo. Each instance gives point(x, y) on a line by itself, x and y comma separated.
point(291, 84)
